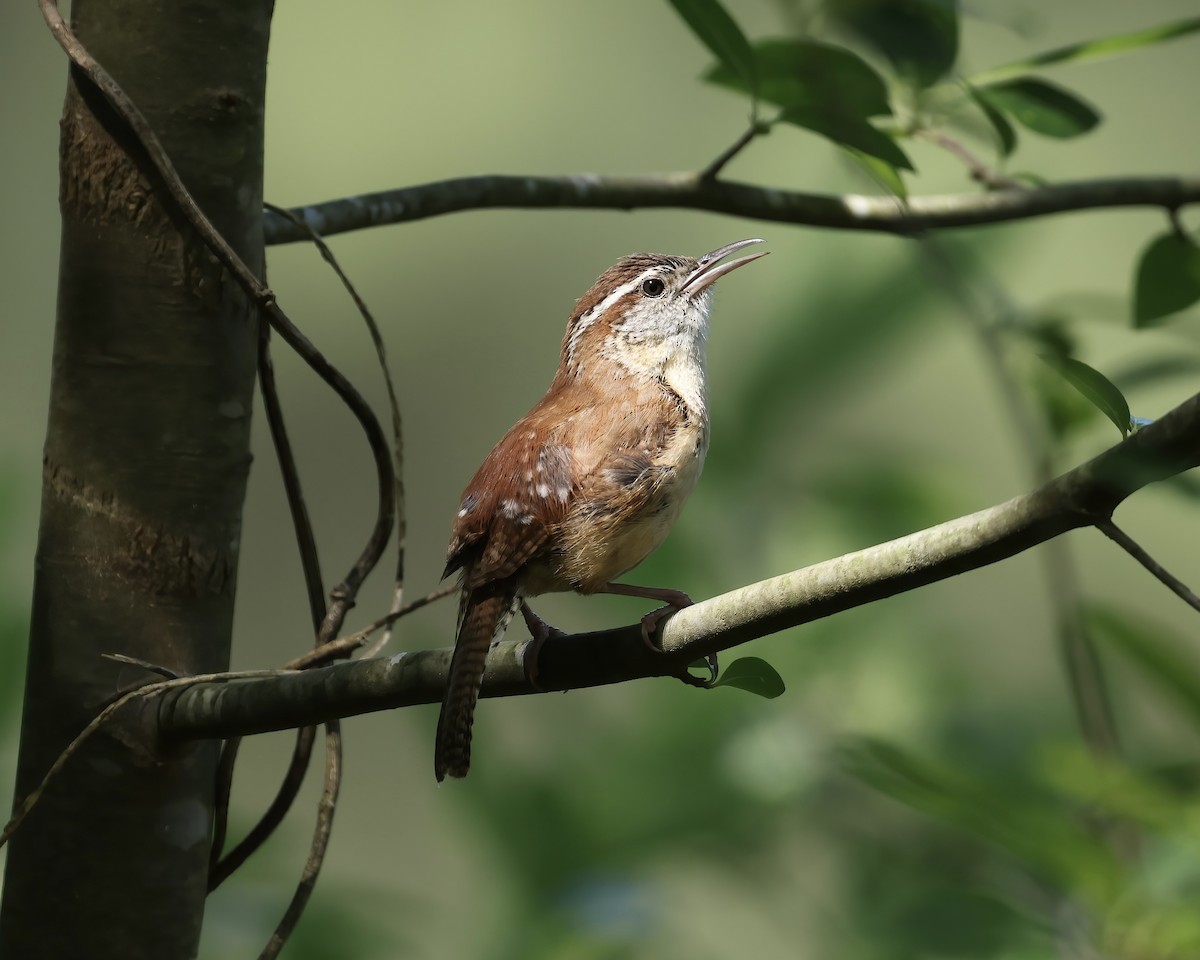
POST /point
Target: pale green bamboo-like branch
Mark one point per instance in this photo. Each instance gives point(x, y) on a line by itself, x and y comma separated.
point(1085, 496)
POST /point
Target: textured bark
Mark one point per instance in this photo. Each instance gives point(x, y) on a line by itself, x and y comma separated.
point(146, 457)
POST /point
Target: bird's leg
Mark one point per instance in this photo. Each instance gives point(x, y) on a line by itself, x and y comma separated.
point(540, 631)
point(675, 601)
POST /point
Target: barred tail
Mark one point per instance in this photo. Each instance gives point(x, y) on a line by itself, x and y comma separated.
point(486, 612)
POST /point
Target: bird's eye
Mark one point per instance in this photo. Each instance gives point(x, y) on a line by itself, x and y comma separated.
point(653, 287)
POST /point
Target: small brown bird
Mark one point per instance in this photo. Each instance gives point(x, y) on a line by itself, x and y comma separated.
point(590, 481)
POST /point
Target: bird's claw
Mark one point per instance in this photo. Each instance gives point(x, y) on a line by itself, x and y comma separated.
point(676, 601)
point(539, 632)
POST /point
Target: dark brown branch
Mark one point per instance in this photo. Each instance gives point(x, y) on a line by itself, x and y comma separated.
point(693, 191)
point(1085, 496)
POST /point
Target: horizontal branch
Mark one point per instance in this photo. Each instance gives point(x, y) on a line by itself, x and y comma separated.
point(692, 191)
point(1085, 496)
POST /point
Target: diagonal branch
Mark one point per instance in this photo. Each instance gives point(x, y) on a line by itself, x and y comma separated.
point(1085, 496)
point(696, 191)
point(1142, 556)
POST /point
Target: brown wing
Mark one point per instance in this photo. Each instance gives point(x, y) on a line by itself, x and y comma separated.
point(507, 513)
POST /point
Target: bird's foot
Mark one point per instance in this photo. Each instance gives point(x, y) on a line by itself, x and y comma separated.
point(539, 631)
point(676, 601)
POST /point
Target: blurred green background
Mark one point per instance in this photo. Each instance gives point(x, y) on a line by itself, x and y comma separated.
point(920, 790)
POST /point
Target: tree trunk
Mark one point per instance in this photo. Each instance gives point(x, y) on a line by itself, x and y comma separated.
point(146, 458)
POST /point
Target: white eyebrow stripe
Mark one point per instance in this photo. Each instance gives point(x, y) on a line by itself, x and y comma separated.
point(596, 312)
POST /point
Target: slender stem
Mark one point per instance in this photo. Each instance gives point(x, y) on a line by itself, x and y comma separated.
point(980, 171)
point(1135, 550)
point(756, 129)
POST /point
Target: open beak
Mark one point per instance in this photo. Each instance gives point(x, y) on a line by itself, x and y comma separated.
point(709, 269)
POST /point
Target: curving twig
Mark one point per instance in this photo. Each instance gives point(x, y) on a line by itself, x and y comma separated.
point(393, 403)
point(222, 867)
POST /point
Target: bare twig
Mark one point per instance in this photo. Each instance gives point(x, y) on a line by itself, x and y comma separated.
point(143, 664)
point(692, 191)
point(756, 129)
point(1135, 550)
point(344, 646)
point(312, 658)
point(285, 796)
point(980, 172)
point(320, 843)
point(393, 403)
point(306, 541)
point(21, 810)
point(220, 868)
point(221, 795)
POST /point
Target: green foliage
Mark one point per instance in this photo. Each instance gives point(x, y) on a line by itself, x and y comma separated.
point(826, 89)
point(1093, 49)
point(919, 38)
point(994, 835)
point(831, 91)
point(754, 675)
point(1095, 386)
point(1041, 106)
point(1006, 136)
point(717, 30)
point(1168, 278)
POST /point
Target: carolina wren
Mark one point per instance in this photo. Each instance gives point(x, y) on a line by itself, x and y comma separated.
point(591, 480)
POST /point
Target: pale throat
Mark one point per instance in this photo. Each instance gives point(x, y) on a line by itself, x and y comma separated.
point(672, 349)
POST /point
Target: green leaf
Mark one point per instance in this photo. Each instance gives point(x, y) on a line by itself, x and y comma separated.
point(754, 675)
point(882, 172)
point(1144, 644)
point(1091, 49)
point(825, 89)
point(1006, 136)
point(1168, 279)
point(718, 31)
point(1043, 107)
point(918, 37)
point(852, 134)
point(1064, 408)
point(1095, 386)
